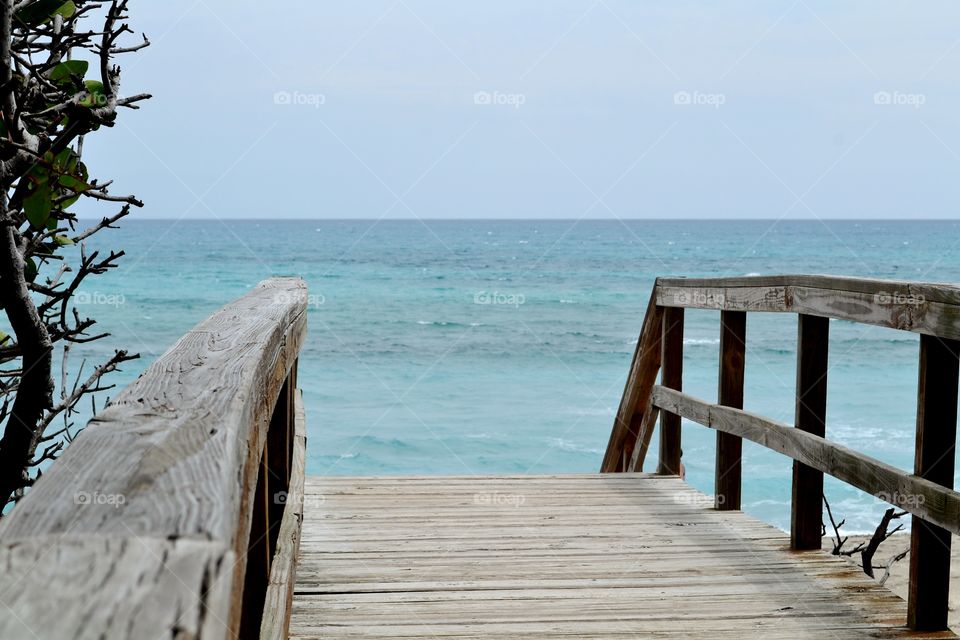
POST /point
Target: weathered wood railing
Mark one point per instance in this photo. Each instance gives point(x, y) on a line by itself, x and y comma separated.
point(176, 512)
point(931, 310)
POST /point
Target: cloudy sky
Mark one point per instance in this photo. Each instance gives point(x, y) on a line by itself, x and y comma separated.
point(522, 109)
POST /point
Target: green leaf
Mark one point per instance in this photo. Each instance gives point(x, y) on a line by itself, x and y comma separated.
point(38, 175)
point(67, 9)
point(65, 71)
point(30, 270)
point(37, 206)
point(43, 10)
point(95, 96)
point(65, 204)
point(63, 241)
point(66, 161)
point(4, 338)
point(74, 183)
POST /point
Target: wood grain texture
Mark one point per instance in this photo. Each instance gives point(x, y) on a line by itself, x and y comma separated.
point(95, 587)
point(647, 425)
point(583, 556)
point(636, 393)
point(927, 308)
point(928, 500)
point(279, 598)
point(175, 455)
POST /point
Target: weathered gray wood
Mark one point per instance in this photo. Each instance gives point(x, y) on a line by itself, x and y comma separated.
point(911, 306)
point(278, 602)
point(635, 556)
point(94, 587)
point(175, 455)
point(937, 393)
point(636, 393)
point(932, 292)
point(928, 500)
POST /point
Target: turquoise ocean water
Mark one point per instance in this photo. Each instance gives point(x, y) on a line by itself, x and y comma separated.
point(470, 347)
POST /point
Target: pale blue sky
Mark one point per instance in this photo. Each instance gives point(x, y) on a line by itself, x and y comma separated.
point(589, 117)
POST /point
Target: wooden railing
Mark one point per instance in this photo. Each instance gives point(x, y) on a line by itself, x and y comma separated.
point(931, 310)
point(176, 512)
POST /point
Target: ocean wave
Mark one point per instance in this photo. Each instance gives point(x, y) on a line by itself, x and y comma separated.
point(568, 445)
point(701, 341)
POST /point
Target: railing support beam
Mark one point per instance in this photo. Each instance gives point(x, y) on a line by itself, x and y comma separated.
point(671, 377)
point(936, 440)
point(733, 334)
point(806, 518)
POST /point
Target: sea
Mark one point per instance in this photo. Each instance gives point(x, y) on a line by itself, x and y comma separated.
point(501, 347)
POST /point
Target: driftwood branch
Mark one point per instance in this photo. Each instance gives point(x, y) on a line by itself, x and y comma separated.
point(869, 549)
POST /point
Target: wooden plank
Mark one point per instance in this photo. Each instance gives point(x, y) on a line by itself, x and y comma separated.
point(636, 393)
point(918, 307)
point(175, 455)
point(930, 292)
point(919, 496)
point(672, 377)
point(935, 454)
point(647, 426)
point(94, 587)
point(257, 573)
point(733, 349)
point(279, 597)
point(505, 572)
point(806, 512)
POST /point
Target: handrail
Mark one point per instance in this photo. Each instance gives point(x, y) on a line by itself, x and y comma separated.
point(161, 519)
point(933, 310)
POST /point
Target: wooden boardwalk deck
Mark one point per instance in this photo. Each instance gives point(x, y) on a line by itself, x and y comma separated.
point(579, 556)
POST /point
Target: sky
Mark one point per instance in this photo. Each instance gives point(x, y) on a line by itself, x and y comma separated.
point(519, 109)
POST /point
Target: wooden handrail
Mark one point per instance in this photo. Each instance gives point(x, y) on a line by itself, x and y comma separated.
point(932, 310)
point(160, 520)
point(936, 504)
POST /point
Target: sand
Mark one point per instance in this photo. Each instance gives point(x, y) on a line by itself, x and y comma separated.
point(899, 573)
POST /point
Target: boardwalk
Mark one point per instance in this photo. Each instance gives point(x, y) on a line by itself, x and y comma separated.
point(579, 556)
point(182, 510)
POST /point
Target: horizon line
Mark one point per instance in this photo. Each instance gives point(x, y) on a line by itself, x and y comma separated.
point(478, 219)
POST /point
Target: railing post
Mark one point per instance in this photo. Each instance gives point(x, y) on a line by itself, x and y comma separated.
point(672, 377)
point(806, 518)
point(270, 501)
point(936, 440)
point(733, 335)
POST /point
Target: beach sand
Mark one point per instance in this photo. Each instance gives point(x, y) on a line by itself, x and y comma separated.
point(899, 573)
